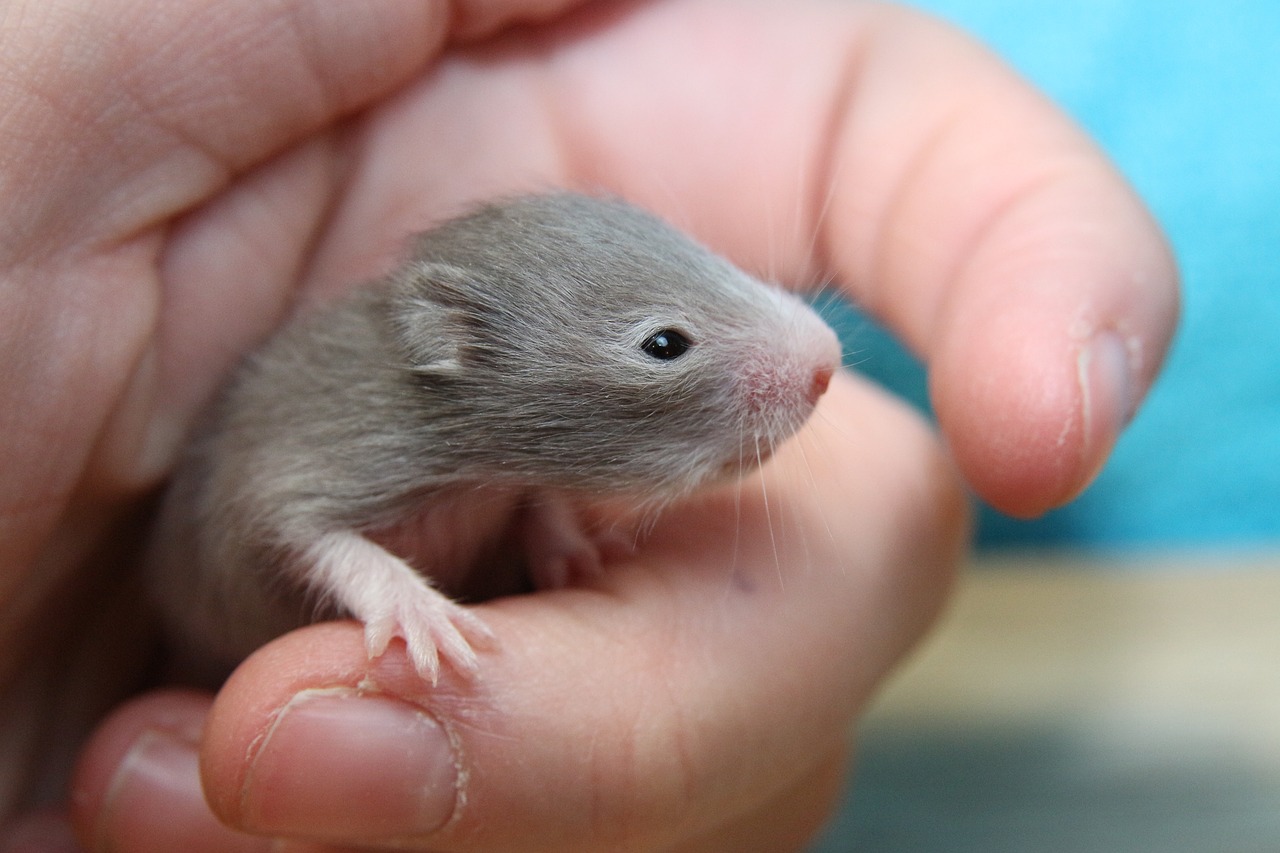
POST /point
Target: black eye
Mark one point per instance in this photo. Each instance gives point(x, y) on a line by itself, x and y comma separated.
point(666, 345)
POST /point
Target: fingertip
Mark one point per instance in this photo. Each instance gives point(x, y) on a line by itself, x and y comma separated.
point(388, 770)
point(1033, 390)
point(105, 759)
point(310, 738)
point(1008, 405)
point(144, 762)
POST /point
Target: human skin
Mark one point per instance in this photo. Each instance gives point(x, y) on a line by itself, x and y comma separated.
point(174, 177)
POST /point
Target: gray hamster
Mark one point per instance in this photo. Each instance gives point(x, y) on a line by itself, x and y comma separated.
point(532, 363)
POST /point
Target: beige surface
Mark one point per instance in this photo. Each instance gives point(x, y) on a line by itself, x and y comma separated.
point(1083, 705)
point(1032, 638)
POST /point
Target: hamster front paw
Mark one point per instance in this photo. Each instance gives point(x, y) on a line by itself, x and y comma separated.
point(392, 600)
point(432, 627)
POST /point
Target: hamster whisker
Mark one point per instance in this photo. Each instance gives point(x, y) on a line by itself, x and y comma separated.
point(737, 500)
point(804, 440)
point(820, 212)
point(768, 520)
point(840, 429)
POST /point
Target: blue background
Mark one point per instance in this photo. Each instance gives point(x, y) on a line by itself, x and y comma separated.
point(1185, 97)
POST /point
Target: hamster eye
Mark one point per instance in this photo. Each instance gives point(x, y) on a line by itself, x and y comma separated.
point(666, 345)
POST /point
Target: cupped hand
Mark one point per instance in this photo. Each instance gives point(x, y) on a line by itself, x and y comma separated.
point(177, 179)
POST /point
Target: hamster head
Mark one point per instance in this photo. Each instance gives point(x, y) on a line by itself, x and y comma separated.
point(583, 344)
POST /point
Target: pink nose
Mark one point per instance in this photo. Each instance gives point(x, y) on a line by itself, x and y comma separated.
point(821, 381)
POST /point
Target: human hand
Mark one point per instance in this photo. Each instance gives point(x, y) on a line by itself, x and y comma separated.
point(698, 696)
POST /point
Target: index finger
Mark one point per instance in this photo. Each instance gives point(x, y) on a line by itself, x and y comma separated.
point(1008, 251)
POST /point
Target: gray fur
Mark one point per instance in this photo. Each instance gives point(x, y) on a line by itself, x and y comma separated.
point(504, 355)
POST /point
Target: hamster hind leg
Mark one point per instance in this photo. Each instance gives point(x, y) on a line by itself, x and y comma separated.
point(392, 600)
point(561, 545)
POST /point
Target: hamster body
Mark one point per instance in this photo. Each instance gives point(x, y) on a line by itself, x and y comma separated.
point(531, 364)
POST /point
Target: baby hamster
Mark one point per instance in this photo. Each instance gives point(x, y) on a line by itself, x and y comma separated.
point(532, 362)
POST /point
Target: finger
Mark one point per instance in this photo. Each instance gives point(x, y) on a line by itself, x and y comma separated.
point(143, 763)
point(700, 681)
point(1006, 249)
point(857, 141)
point(137, 786)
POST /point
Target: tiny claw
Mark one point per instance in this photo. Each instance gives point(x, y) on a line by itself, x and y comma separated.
point(450, 633)
point(426, 659)
point(376, 639)
point(460, 654)
point(478, 633)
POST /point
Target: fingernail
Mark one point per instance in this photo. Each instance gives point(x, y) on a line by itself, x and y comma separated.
point(1107, 392)
point(160, 775)
point(339, 765)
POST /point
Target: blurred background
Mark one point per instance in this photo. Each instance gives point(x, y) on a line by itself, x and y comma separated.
point(1108, 678)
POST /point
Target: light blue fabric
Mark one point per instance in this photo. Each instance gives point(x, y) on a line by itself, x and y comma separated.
point(1185, 97)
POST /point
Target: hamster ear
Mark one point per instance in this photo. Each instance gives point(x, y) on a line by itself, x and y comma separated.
point(428, 307)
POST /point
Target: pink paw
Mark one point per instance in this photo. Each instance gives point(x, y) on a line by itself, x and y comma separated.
point(433, 628)
point(392, 600)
